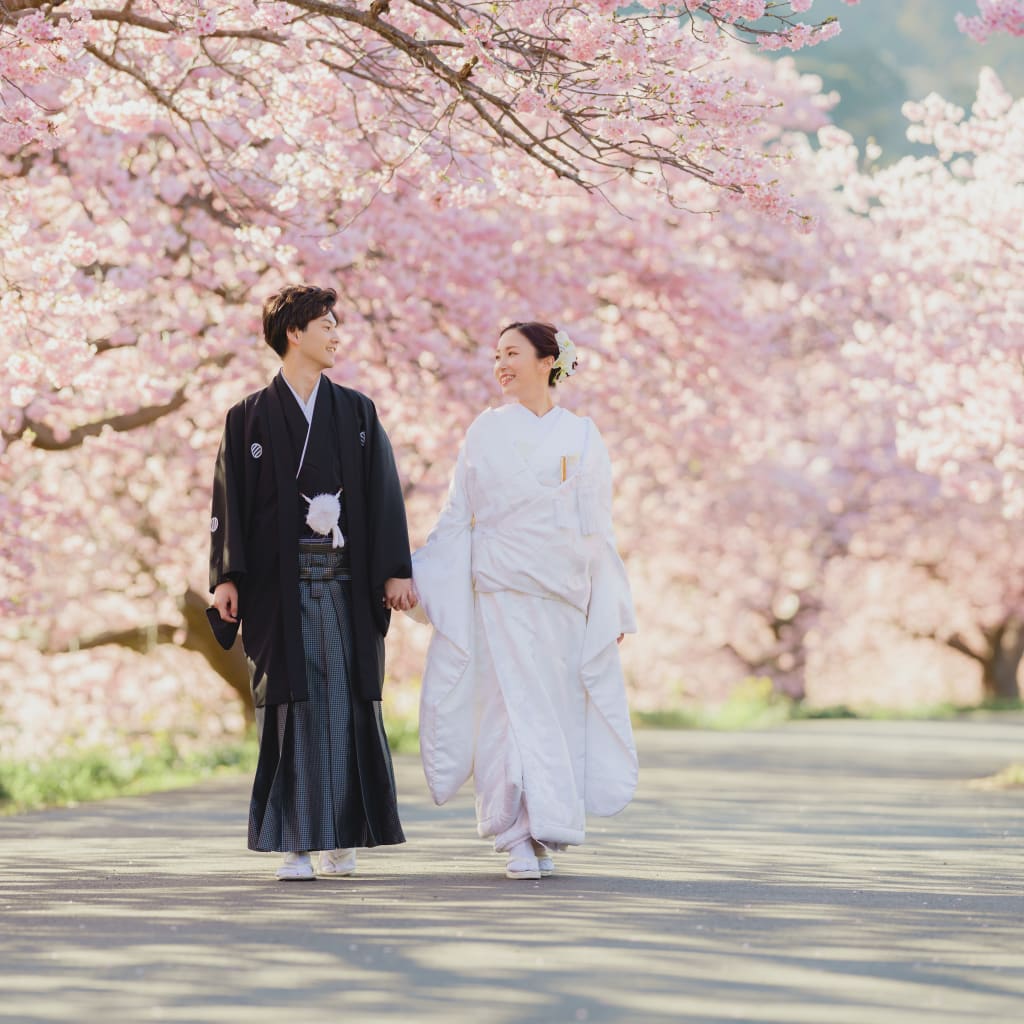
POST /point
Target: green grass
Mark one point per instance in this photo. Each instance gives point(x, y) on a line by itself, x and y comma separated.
point(96, 773)
point(751, 705)
point(403, 734)
point(1011, 777)
point(755, 705)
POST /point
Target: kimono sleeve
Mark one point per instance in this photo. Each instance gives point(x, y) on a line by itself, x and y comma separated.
point(611, 597)
point(389, 532)
point(442, 570)
point(227, 531)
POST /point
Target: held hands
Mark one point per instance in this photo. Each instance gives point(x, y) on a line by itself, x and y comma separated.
point(400, 595)
point(225, 600)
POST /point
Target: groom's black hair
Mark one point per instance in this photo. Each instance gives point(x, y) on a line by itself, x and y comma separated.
point(294, 306)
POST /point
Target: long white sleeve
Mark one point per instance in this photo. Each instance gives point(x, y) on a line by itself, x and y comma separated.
point(442, 572)
point(441, 568)
point(610, 779)
point(611, 599)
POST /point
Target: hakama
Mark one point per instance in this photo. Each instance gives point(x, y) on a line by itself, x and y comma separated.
point(325, 780)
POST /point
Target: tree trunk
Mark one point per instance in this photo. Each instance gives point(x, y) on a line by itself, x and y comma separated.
point(232, 665)
point(1002, 661)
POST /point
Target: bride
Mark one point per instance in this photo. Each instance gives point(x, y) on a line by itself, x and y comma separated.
point(528, 599)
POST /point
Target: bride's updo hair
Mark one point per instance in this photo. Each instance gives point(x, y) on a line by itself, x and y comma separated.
point(542, 338)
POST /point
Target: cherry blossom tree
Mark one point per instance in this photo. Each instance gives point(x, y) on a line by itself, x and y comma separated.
point(154, 162)
point(271, 100)
point(993, 16)
point(874, 502)
point(155, 155)
point(126, 504)
point(815, 430)
point(947, 355)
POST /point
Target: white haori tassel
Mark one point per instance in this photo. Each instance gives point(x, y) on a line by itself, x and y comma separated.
point(324, 515)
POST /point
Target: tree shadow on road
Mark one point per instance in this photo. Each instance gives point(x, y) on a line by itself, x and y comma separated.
point(730, 890)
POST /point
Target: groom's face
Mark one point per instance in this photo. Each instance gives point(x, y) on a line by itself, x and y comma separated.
point(318, 343)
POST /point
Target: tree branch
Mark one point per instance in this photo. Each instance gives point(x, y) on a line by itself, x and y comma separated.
point(46, 438)
point(229, 665)
point(959, 644)
point(135, 638)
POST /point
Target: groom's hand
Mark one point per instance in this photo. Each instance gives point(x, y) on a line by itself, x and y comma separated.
point(225, 600)
point(399, 595)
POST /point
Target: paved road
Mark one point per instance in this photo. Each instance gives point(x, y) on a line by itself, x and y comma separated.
point(822, 872)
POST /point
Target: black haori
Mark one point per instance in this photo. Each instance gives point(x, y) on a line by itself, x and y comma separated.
point(324, 778)
point(258, 517)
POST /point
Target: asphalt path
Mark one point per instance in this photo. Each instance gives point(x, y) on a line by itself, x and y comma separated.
point(825, 872)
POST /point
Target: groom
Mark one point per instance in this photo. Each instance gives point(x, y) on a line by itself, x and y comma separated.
point(310, 553)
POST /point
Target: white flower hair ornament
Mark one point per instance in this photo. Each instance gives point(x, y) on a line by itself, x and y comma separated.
point(324, 515)
point(566, 362)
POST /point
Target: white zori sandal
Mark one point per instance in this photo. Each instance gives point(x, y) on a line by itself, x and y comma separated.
point(337, 862)
point(544, 861)
point(297, 867)
point(522, 863)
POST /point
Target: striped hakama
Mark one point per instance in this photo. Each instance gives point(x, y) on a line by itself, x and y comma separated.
point(324, 779)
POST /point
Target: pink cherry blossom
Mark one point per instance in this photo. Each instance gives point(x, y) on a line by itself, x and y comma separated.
point(993, 16)
point(806, 371)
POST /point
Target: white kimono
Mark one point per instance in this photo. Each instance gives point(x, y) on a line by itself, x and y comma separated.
point(527, 595)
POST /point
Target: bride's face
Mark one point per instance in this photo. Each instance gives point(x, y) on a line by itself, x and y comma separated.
point(517, 367)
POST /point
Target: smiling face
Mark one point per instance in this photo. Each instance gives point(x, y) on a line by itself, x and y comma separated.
point(521, 373)
point(317, 344)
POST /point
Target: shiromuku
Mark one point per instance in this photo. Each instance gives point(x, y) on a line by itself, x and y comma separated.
point(528, 597)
